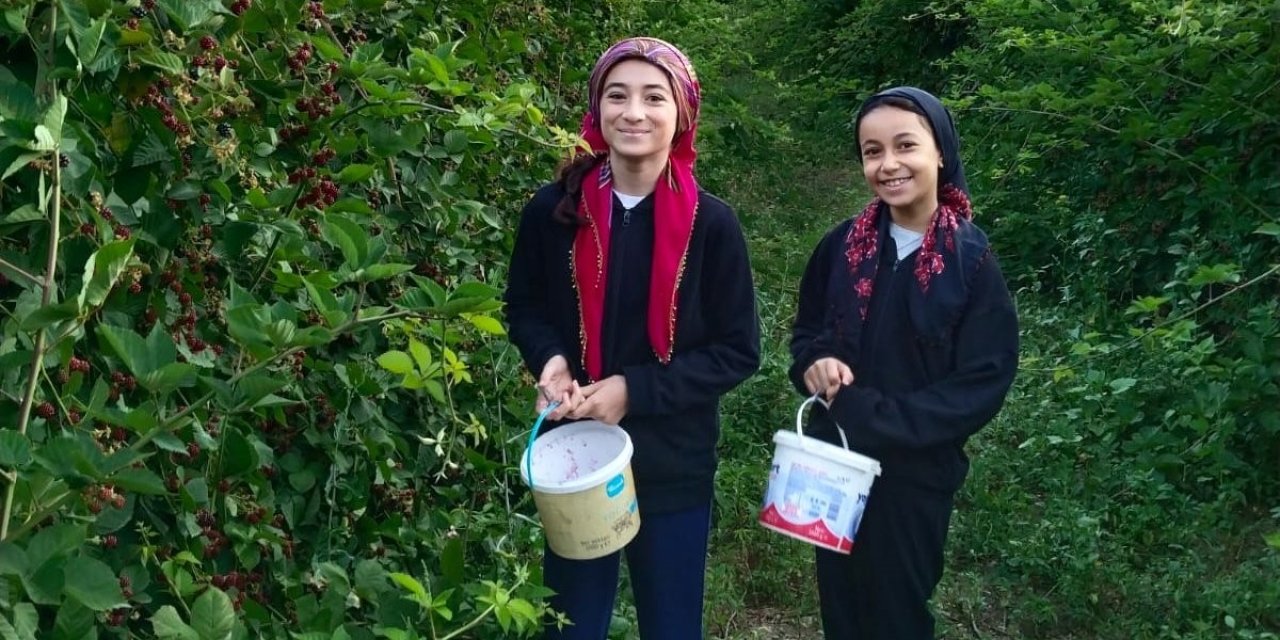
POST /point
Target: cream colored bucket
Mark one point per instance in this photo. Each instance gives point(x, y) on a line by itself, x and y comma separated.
point(583, 488)
point(817, 491)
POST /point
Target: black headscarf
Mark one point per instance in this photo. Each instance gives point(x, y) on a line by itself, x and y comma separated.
point(953, 247)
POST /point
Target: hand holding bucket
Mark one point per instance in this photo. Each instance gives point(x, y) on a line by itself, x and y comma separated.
point(817, 491)
point(584, 489)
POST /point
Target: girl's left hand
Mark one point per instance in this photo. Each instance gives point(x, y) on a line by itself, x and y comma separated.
point(605, 401)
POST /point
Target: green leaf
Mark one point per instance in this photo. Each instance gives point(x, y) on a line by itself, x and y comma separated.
point(19, 163)
point(93, 584)
point(397, 362)
point(162, 60)
point(355, 173)
point(190, 14)
point(421, 355)
point(1269, 229)
point(1272, 540)
point(383, 271)
point(22, 215)
point(415, 588)
point(452, 562)
point(1120, 385)
point(74, 622)
point(102, 271)
point(487, 324)
point(151, 151)
point(17, 100)
point(350, 238)
point(139, 480)
point(13, 560)
point(169, 377)
point(52, 542)
point(70, 456)
point(168, 624)
point(15, 449)
point(212, 616)
point(238, 455)
point(327, 49)
point(51, 314)
point(128, 346)
point(88, 47)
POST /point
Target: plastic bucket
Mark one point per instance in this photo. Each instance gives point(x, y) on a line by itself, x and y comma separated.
point(817, 491)
point(583, 488)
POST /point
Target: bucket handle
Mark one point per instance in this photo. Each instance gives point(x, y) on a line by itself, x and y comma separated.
point(533, 435)
point(800, 422)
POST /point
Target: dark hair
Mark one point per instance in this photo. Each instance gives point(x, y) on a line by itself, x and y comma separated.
point(570, 176)
point(890, 101)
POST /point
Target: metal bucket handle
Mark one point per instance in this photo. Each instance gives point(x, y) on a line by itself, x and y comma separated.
point(800, 420)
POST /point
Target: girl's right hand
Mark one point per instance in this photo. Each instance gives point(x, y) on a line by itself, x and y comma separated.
point(826, 376)
point(557, 383)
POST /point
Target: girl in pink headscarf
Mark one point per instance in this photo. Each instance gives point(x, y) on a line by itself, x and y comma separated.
point(630, 298)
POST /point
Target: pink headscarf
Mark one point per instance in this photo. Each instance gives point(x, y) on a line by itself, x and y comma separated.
point(675, 205)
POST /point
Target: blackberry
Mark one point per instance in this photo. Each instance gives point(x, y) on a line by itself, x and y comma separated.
point(138, 12)
point(208, 43)
point(224, 129)
point(64, 160)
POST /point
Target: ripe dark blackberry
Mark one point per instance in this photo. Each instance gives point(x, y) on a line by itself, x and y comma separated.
point(224, 129)
point(64, 160)
point(138, 12)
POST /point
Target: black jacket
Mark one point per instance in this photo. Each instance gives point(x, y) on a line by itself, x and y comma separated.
point(915, 399)
point(673, 412)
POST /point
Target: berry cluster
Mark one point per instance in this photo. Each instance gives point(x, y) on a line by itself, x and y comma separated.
point(301, 56)
point(103, 495)
point(156, 98)
point(240, 6)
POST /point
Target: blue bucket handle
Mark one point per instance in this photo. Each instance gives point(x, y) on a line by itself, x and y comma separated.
point(533, 435)
point(800, 420)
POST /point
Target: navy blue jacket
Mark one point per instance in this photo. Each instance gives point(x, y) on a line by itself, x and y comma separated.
point(673, 409)
point(916, 398)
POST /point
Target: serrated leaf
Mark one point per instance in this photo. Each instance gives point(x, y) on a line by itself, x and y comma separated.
point(421, 355)
point(17, 100)
point(162, 60)
point(74, 622)
point(238, 455)
point(1269, 229)
point(383, 271)
point(487, 324)
point(350, 238)
point(127, 345)
point(102, 271)
point(1273, 540)
point(190, 14)
point(88, 46)
point(139, 480)
point(410, 584)
point(92, 583)
point(151, 151)
point(25, 213)
point(19, 163)
point(212, 616)
point(15, 449)
point(169, 377)
point(51, 314)
point(355, 173)
point(167, 623)
point(1120, 385)
point(397, 362)
point(44, 139)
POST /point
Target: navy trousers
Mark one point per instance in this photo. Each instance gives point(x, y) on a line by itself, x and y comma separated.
point(881, 590)
point(667, 562)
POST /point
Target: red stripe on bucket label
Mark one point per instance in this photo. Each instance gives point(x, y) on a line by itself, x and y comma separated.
point(815, 532)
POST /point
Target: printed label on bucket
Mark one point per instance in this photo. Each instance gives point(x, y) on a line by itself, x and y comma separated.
point(615, 486)
point(817, 504)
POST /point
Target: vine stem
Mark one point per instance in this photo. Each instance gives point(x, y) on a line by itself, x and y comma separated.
point(51, 266)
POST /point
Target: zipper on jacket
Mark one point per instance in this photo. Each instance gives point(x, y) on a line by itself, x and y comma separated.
point(626, 217)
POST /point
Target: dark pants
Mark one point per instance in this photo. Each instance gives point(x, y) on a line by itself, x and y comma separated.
point(667, 561)
point(881, 590)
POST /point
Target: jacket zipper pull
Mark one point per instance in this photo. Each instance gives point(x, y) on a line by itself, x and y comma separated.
point(626, 217)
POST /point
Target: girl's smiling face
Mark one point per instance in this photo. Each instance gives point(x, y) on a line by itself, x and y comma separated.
point(900, 161)
point(637, 111)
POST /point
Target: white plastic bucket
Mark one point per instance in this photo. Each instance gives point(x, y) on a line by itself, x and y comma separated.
point(583, 488)
point(817, 491)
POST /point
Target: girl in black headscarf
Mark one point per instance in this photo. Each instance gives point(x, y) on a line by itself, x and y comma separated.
point(906, 327)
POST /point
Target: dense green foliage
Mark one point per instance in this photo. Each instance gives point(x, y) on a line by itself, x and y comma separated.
point(252, 377)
